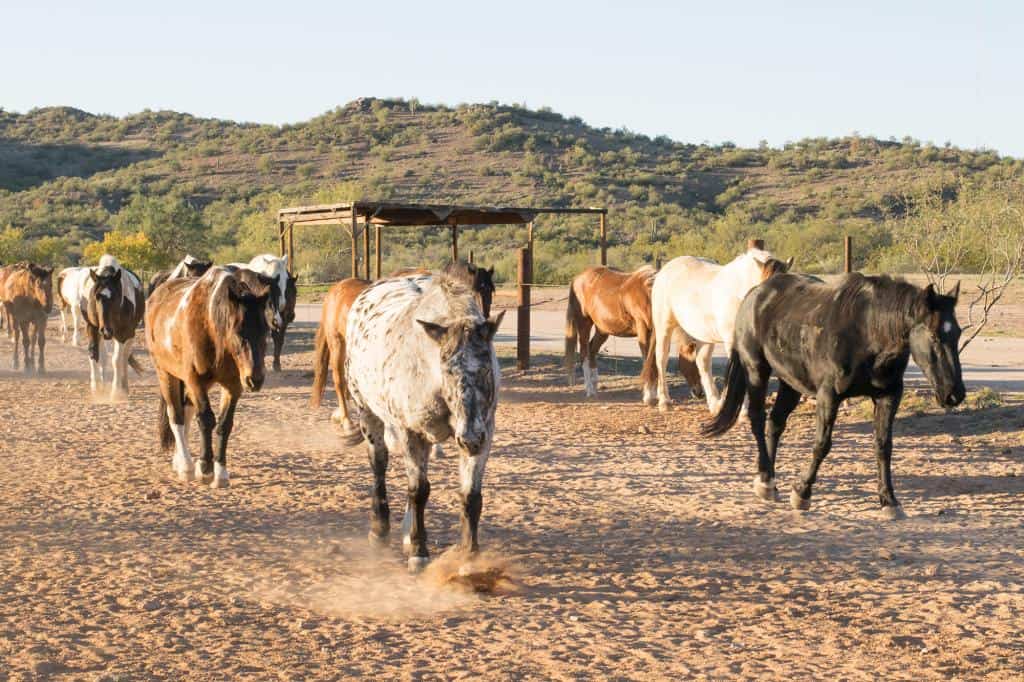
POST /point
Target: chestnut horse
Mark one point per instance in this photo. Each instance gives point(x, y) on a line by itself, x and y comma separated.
point(613, 303)
point(26, 290)
point(329, 351)
point(200, 332)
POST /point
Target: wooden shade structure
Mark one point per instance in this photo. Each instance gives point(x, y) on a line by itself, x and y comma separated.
point(381, 214)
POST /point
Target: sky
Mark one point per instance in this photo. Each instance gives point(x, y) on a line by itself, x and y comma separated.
point(696, 71)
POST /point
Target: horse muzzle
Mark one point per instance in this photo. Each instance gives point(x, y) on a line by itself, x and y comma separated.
point(953, 398)
point(473, 445)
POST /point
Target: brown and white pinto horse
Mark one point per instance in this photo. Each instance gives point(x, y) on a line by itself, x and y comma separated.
point(613, 303)
point(329, 353)
point(26, 290)
point(200, 332)
point(112, 305)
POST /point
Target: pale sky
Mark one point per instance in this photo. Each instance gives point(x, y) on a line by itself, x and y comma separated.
point(695, 71)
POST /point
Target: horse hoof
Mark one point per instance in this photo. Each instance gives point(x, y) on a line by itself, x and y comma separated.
point(892, 512)
point(217, 482)
point(766, 490)
point(418, 563)
point(797, 502)
point(186, 476)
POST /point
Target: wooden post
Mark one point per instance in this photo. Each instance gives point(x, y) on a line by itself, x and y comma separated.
point(455, 243)
point(355, 246)
point(604, 241)
point(376, 234)
point(755, 244)
point(529, 236)
point(366, 250)
point(471, 255)
point(524, 279)
point(291, 247)
point(848, 254)
point(280, 234)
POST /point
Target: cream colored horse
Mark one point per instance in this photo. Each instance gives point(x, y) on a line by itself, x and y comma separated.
point(697, 299)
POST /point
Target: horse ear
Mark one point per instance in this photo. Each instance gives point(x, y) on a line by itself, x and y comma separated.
point(491, 326)
point(930, 295)
point(789, 264)
point(434, 331)
point(490, 271)
point(954, 293)
point(92, 274)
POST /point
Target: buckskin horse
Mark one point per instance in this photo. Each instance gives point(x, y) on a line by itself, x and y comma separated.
point(200, 332)
point(695, 300)
point(614, 303)
point(26, 290)
point(834, 343)
point(421, 368)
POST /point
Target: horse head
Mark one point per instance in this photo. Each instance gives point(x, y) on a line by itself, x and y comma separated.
point(195, 267)
point(934, 343)
point(241, 320)
point(768, 264)
point(106, 296)
point(483, 285)
point(41, 277)
point(469, 377)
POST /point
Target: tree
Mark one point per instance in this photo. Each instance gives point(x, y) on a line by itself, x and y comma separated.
point(980, 231)
point(12, 246)
point(132, 249)
point(173, 228)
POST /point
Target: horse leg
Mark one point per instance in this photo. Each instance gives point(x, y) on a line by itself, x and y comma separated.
point(786, 401)
point(40, 329)
point(828, 406)
point(74, 326)
point(471, 476)
point(414, 532)
point(117, 360)
point(380, 519)
point(206, 421)
point(172, 391)
point(885, 413)
point(662, 340)
point(592, 350)
point(584, 326)
point(705, 351)
point(758, 372)
point(225, 422)
point(95, 348)
point(63, 324)
point(278, 336)
point(26, 346)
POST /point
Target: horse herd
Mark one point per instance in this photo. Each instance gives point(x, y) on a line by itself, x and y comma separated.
point(413, 363)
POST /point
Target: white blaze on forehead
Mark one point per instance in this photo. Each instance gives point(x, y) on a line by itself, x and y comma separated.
point(947, 326)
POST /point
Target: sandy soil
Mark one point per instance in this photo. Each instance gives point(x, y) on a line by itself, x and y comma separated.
point(635, 549)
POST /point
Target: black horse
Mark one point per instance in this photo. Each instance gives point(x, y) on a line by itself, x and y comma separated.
point(189, 266)
point(480, 280)
point(833, 343)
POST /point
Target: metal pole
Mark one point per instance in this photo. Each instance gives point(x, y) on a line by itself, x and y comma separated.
point(355, 249)
point(377, 239)
point(524, 279)
point(848, 254)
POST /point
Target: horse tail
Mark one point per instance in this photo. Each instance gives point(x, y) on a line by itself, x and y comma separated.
point(164, 427)
point(649, 373)
point(321, 366)
point(573, 312)
point(732, 400)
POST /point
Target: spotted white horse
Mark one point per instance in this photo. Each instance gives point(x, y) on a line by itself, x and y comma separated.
point(421, 368)
point(696, 300)
point(71, 288)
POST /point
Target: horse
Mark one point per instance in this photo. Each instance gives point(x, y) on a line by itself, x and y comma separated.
point(421, 368)
point(834, 343)
point(695, 299)
point(329, 345)
point(26, 290)
point(613, 303)
point(285, 297)
point(200, 332)
point(71, 285)
point(112, 305)
point(189, 266)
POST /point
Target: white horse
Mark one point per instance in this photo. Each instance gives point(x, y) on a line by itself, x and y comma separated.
point(696, 299)
point(277, 268)
point(71, 284)
point(421, 368)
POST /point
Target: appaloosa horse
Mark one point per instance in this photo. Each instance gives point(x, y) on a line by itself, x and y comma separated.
point(26, 290)
point(329, 353)
point(613, 303)
point(189, 266)
point(421, 368)
point(200, 332)
point(113, 305)
point(695, 300)
point(833, 343)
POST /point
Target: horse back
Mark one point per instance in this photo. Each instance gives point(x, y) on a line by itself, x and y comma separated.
point(338, 303)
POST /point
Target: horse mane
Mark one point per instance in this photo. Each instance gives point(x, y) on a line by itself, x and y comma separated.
point(890, 304)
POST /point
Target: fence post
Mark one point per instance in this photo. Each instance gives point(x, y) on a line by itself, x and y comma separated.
point(379, 253)
point(524, 279)
point(848, 254)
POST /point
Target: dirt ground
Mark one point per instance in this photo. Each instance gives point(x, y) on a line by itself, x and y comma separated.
point(634, 549)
